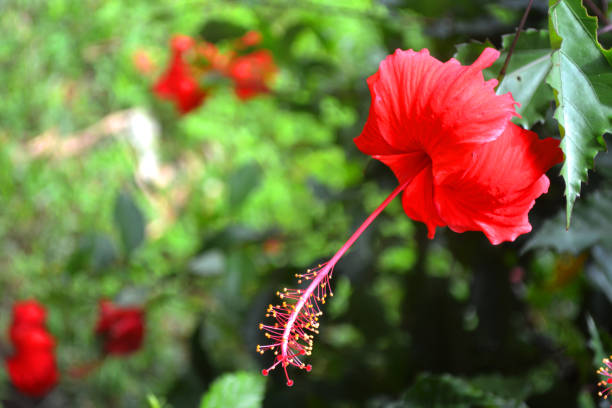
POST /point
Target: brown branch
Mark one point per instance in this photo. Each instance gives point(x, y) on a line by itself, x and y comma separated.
point(516, 37)
point(52, 144)
point(605, 29)
point(597, 11)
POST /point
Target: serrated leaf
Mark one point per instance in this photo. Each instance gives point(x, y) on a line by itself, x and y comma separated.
point(582, 79)
point(526, 73)
point(237, 390)
point(129, 221)
point(591, 225)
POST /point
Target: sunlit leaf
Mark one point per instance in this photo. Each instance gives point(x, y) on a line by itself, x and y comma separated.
point(237, 390)
point(155, 402)
point(582, 80)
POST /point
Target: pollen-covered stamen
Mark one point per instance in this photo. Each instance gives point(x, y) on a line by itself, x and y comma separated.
point(297, 316)
point(606, 371)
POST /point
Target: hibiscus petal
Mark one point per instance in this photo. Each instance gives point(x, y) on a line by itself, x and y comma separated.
point(418, 201)
point(493, 188)
point(405, 165)
point(420, 103)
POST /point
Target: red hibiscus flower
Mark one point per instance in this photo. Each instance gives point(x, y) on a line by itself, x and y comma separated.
point(250, 39)
point(30, 312)
point(177, 83)
point(142, 62)
point(443, 127)
point(121, 328)
point(251, 73)
point(32, 368)
point(459, 161)
point(33, 373)
point(26, 338)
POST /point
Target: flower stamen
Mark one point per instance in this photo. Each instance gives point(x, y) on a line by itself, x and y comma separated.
point(291, 336)
point(606, 384)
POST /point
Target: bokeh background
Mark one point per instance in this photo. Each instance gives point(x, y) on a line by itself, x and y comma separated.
point(106, 192)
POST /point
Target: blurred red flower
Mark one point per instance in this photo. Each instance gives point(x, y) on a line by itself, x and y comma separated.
point(251, 73)
point(26, 338)
point(178, 83)
point(443, 126)
point(142, 61)
point(121, 328)
point(250, 39)
point(32, 368)
point(30, 312)
point(33, 373)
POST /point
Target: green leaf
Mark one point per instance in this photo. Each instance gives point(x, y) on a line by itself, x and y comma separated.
point(467, 53)
point(129, 221)
point(591, 225)
point(534, 381)
point(582, 79)
point(218, 30)
point(242, 182)
point(237, 390)
point(595, 343)
point(585, 400)
point(442, 391)
point(209, 263)
point(95, 252)
point(154, 402)
point(526, 73)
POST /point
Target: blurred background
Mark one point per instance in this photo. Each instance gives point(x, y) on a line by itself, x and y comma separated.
point(107, 192)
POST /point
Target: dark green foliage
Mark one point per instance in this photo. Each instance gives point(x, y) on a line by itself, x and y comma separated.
point(242, 182)
point(129, 222)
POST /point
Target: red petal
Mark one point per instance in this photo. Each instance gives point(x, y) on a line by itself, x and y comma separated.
point(181, 42)
point(29, 312)
point(33, 373)
point(405, 165)
point(420, 103)
point(27, 337)
point(418, 202)
point(493, 188)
